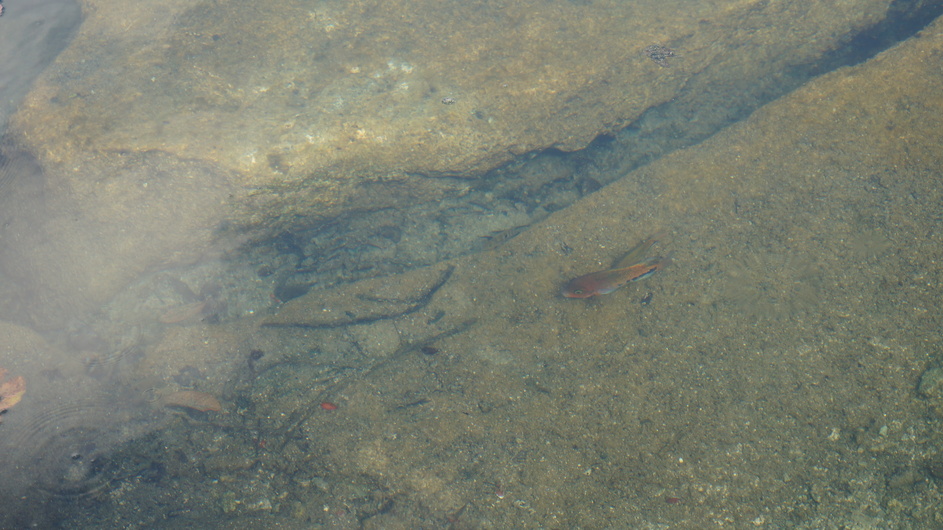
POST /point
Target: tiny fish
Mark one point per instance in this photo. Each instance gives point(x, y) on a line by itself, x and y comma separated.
point(604, 282)
point(496, 239)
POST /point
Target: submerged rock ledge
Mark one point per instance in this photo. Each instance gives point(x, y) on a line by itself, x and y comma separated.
point(163, 123)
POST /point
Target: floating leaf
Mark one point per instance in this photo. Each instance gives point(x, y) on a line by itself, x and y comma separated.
point(193, 399)
point(11, 392)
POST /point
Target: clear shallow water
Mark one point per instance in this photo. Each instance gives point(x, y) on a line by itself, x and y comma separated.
point(782, 345)
point(33, 33)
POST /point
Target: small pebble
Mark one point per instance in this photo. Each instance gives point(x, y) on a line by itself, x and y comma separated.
point(659, 54)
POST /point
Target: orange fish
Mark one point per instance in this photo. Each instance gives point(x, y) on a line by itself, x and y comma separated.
point(604, 282)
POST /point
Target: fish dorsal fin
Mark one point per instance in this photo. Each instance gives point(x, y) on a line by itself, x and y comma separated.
point(636, 254)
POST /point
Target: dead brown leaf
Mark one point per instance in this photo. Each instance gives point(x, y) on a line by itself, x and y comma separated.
point(193, 399)
point(11, 392)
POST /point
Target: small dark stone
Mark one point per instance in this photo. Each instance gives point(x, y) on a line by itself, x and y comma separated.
point(254, 355)
point(935, 468)
point(393, 233)
point(428, 350)
point(288, 292)
point(154, 473)
point(384, 506)
point(589, 185)
point(659, 54)
point(244, 403)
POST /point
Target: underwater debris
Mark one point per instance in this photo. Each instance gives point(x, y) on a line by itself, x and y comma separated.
point(254, 357)
point(193, 399)
point(659, 54)
point(10, 391)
